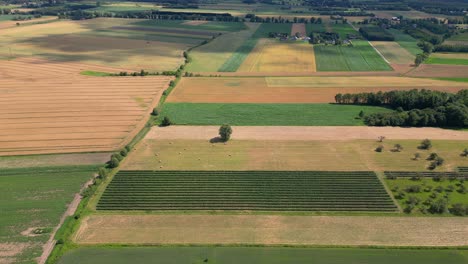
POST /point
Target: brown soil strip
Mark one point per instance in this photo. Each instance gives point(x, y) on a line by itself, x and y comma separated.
point(298, 28)
point(273, 230)
point(305, 133)
point(435, 70)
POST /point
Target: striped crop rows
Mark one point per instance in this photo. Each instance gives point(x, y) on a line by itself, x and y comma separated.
point(246, 190)
point(427, 174)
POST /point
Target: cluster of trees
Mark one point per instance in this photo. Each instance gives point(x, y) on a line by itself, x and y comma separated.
point(376, 33)
point(346, 13)
point(321, 37)
point(257, 19)
point(413, 108)
point(451, 48)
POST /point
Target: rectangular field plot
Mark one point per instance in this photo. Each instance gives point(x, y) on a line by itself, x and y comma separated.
point(34, 198)
point(248, 190)
point(393, 52)
point(271, 55)
point(261, 255)
point(267, 114)
point(361, 56)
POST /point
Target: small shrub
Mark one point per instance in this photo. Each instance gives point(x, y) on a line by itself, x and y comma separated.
point(459, 209)
point(438, 206)
point(413, 189)
point(400, 195)
point(409, 208)
point(450, 188)
point(439, 161)
point(166, 122)
point(464, 153)
point(380, 148)
point(432, 156)
point(117, 156)
point(397, 148)
point(123, 153)
point(425, 144)
point(102, 173)
point(428, 188)
point(59, 242)
point(416, 177)
point(413, 200)
point(155, 112)
point(439, 189)
point(433, 195)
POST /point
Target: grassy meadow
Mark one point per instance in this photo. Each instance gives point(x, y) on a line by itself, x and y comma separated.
point(261, 255)
point(267, 114)
point(450, 61)
point(35, 198)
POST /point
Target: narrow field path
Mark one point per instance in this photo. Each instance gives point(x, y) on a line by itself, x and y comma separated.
point(71, 209)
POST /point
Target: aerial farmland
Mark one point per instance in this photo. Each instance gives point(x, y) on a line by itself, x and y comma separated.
point(233, 131)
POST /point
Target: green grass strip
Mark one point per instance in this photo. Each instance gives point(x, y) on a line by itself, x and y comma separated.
point(448, 61)
point(267, 114)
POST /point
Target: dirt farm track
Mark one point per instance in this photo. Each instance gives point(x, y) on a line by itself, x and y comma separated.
point(45, 113)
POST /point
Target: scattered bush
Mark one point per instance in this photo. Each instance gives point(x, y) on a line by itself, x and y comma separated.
point(102, 173)
point(432, 156)
point(166, 122)
point(409, 208)
point(438, 206)
point(450, 188)
point(397, 148)
point(155, 112)
point(413, 200)
point(464, 153)
point(413, 189)
point(425, 144)
point(439, 189)
point(380, 148)
point(459, 209)
point(123, 152)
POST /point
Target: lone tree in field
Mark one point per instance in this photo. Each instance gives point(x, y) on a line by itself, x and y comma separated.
point(225, 132)
point(166, 121)
point(397, 148)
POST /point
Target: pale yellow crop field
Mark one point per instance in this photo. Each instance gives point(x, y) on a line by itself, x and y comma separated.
point(271, 55)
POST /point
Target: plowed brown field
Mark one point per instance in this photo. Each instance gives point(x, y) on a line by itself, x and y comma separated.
point(294, 90)
point(437, 70)
point(51, 108)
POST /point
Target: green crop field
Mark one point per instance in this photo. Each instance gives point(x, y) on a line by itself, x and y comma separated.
point(234, 62)
point(35, 198)
point(267, 114)
point(406, 41)
point(343, 30)
point(314, 28)
point(359, 57)
point(420, 190)
point(459, 37)
point(450, 61)
point(262, 255)
point(180, 24)
point(211, 56)
point(246, 190)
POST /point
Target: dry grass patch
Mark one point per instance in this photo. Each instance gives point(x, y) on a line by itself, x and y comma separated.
point(336, 155)
point(393, 52)
point(271, 55)
point(294, 90)
point(273, 230)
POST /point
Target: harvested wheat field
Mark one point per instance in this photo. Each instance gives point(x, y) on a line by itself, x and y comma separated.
point(271, 55)
point(294, 90)
point(298, 28)
point(273, 230)
point(78, 113)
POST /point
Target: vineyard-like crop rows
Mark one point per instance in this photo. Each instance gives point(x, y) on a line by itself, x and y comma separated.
point(427, 174)
point(246, 190)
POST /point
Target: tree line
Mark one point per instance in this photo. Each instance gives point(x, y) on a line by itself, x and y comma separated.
point(413, 108)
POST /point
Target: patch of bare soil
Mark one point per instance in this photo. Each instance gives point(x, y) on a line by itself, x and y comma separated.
point(305, 133)
point(438, 70)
